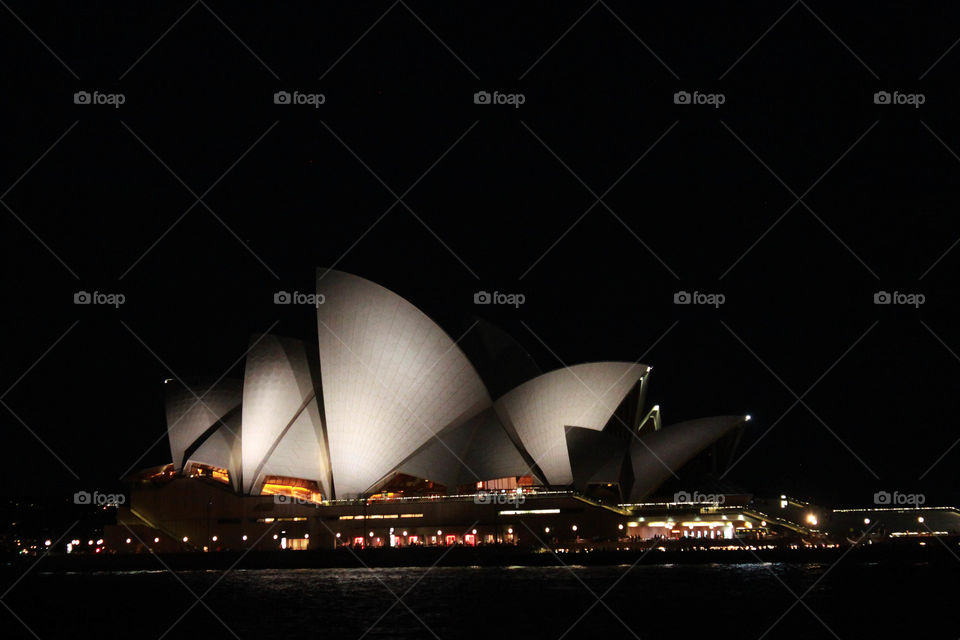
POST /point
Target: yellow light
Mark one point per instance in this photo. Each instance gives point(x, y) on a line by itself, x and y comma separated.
point(474, 532)
point(156, 539)
point(520, 512)
point(214, 538)
point(620, 526)
point(371, 534)
point(128, 540)
point(338, 534)
point(185, 538)
point(306, 536)
point(920, 519)
point(546, 529)
point(866, 521)
point(300, 493)
point(574, 527)
point(812, 519)
point(510, 530)
point(244, 537)
point(275, 536)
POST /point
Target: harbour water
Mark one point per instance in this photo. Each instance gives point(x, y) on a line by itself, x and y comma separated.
point(772, 600)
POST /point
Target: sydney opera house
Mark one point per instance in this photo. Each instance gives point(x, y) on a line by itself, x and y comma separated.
point(388, 432)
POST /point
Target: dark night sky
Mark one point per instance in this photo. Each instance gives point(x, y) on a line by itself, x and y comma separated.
point(800, 99)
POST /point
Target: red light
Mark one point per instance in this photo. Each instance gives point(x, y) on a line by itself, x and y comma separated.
point(451, 539)
point(470, 539)
point(358, 541)
point(98, 550)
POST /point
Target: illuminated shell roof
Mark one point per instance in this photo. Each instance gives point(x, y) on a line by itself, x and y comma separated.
point(197, 413)
point(540, 411)
point(282, 426)
point(659, 454)
point(388, 391)
point(391, 379)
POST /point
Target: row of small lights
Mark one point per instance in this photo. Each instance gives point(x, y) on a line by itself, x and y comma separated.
point(811, 519)
point(275, 537)
point(919, 519)
point(212, 538)
point(439, 532)
point(573, 528)
point(75, 543)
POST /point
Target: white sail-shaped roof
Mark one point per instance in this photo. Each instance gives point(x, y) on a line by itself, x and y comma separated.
point(479, 449)
point(280, 415)
point(221, 449)
point(657, 455)
point(584, 395)
point(392, 393)
point(296, 456)
point(189, 418)
point(391, 379)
